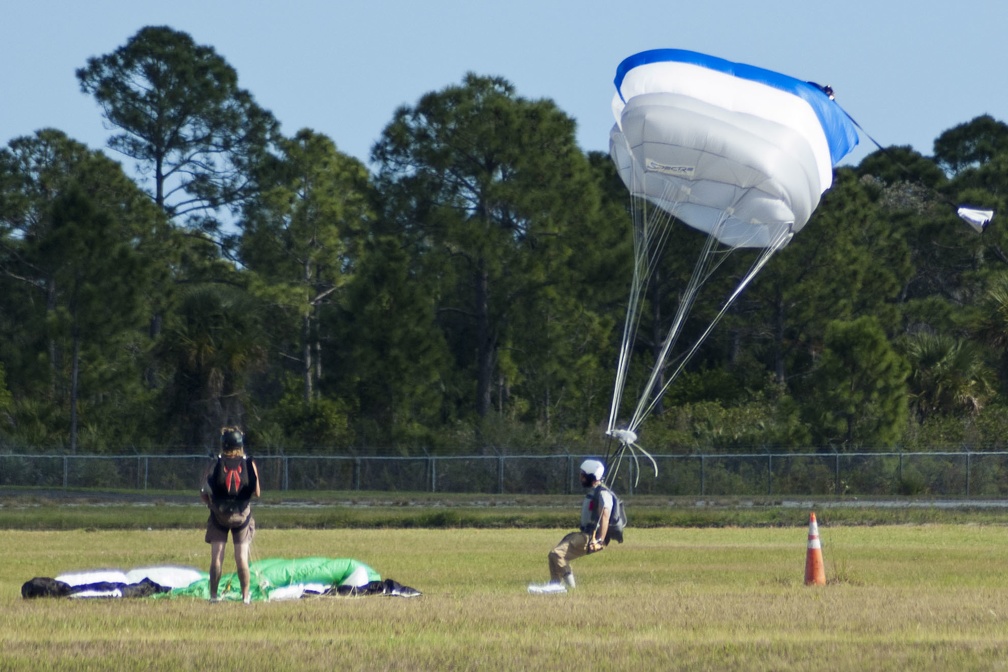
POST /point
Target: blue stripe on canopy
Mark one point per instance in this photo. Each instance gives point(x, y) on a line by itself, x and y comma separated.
point(840, 130)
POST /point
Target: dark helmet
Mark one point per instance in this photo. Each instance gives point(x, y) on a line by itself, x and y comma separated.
point(232, 439)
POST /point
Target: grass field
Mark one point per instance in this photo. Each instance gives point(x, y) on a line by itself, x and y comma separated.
point(906, 596)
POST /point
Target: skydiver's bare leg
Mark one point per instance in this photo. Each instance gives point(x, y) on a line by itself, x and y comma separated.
point(241, 553)
point(216, 560)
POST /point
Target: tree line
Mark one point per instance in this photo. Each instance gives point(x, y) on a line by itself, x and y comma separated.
point(467, 294)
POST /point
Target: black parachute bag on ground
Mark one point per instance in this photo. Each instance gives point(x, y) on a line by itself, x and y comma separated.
point(42, 586)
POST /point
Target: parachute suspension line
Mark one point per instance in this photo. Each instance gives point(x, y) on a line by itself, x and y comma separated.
point(761, 261)
point(977, 218)
point(701, 271)
point(612, 460)
point(651, 229)
point(708, 261)
point(631, 320)
point(649, 235)
point(615, 459)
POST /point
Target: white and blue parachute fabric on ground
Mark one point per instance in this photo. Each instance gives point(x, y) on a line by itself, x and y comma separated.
point(139, 582)
point(739, 153)
point(271, 579)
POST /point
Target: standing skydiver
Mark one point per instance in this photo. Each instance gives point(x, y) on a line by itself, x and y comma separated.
point(227, 491)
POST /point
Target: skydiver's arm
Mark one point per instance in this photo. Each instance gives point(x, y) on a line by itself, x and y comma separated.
point(255, 470)
point(598, 541)
point(204, 492)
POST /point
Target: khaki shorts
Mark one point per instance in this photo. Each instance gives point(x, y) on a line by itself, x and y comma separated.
point(215, 532)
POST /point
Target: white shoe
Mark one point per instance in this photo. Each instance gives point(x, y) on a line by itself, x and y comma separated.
point(569, 580)
point(247, 600)
point(546, 588)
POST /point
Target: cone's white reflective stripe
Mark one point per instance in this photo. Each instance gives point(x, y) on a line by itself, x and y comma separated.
point(813, 534)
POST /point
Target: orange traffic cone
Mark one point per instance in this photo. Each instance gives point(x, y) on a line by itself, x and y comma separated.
point(815, 572)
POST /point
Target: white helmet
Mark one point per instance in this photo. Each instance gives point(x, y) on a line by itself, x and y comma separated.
point(593, 468)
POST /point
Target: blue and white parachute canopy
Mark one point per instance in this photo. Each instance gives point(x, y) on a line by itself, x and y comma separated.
point(711, 140)
point(740, 153)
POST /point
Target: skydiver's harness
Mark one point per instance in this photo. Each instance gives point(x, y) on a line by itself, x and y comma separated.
point(232, 484)
point(225, 528)
point(595, 507)
point(617, 516)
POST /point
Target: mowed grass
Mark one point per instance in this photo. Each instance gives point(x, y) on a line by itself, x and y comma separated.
point(899, 597)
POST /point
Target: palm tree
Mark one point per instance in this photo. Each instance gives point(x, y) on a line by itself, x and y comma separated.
point(948, 376)
point(214, 342)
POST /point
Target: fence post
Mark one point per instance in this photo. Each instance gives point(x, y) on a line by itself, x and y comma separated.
point(286, 472)
point(703, 477)
point(570, 474)
point(356, 472)
point(146, 465)
point(433, 474)
point(500, 475)
point(66, 470)
point(769, 472)
point(836, 476)
point(968, 465)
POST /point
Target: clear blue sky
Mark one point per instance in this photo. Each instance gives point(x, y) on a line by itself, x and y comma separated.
point(905, 70)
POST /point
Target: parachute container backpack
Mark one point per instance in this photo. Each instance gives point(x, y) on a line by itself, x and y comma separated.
point(738, 153)
point(232, 484)
point(232, 477)
point(617, 519)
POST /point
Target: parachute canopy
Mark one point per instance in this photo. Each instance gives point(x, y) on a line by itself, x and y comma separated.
point(709, 139)
point(737, 152)
point(978, 219)
point(271, 579)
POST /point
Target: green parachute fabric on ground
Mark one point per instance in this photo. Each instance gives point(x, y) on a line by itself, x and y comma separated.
point(272, 574)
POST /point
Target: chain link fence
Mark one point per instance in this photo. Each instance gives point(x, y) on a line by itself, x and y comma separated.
point(941, 474)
